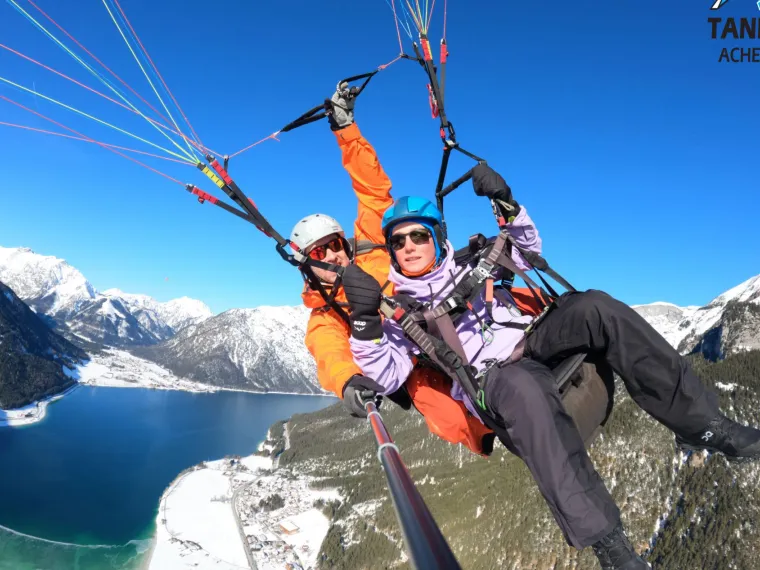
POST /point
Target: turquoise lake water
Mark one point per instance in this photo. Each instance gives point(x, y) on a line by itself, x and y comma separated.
point(80, 489)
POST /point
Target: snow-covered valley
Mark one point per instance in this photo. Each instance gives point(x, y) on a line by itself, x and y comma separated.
point(211, 516)
point(120, 369)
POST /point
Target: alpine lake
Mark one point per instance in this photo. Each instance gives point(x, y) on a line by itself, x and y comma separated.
point(80, 489)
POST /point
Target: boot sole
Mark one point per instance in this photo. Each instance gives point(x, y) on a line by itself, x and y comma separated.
point(730, 458)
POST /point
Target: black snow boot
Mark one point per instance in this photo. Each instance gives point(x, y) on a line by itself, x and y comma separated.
point(736, 441)
point(615, 552)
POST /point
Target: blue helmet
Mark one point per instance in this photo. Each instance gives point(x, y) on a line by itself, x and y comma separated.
point(416, 209)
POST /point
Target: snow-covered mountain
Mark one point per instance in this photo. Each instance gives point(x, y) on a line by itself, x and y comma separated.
point(47, 284)
point(253, 349)
point(175, 314)
point(52, 287)
point(728, 324)
point(35, 362)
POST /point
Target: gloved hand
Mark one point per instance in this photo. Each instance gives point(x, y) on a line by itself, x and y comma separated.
point(363, 293)
point(359, 387)
point(340, 107)
point(487, 182)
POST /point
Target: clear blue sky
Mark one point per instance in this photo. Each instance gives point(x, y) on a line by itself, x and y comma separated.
point(633, 149)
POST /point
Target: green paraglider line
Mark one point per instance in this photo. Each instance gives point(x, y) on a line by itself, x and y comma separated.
point(158, 73)
point(33, 92)
point(107, 147)
point(109, 70)
point(137, 59)
point(89, 140)
point(88, 68)
point(90, 89)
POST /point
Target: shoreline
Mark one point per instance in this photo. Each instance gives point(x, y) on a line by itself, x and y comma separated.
point(171, 487)
point(207, 514)
point(32, 413)
point(120, 369)
point(37, 411)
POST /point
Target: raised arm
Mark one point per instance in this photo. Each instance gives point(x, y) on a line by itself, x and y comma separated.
point(487, 182)
point(370, 182)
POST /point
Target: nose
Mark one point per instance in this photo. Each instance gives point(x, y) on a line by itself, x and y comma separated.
point(409, 246)
point(330, 256)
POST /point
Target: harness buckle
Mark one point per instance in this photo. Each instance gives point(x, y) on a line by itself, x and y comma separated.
point(450, 303)
point(482, 273)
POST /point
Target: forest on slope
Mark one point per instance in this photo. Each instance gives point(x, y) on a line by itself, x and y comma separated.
point(681, 511)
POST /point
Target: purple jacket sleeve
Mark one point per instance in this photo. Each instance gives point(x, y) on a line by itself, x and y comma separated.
point(526, 235)
point(388, 360)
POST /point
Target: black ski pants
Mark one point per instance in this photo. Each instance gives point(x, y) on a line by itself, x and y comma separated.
point(524, 396)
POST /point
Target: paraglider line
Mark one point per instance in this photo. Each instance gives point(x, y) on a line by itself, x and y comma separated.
point(24, 127)
point(417, 23)
point(430, 15)
point(92, 140)
point(122, 105)
point(273, 136)
point(445, 12)
point(405, 24)
point(145, 51)
point(192, 152)
point(111, 87)
point(398, 32)
point(88, 52)
point(381, 67)
point(91, 117)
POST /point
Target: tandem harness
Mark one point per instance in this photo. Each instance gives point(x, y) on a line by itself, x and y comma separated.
point(433, 330)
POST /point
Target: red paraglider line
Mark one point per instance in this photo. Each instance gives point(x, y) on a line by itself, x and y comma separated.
point(398, 31)
point(120, 104)
point(157, 72)
point(92, 140)
point(430, 16)
point(273, 136)
point(73, 39)
point(381, 67)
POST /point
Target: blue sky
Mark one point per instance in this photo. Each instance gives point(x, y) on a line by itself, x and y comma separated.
point(632, 148)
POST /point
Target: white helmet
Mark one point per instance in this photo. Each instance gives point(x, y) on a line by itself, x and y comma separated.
point(313, 228)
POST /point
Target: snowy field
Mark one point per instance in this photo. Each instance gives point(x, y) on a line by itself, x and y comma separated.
point(196, 527)
point(119, 369)
point(206, 519)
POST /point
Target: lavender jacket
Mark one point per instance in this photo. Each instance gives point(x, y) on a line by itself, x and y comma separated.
point(388, 360)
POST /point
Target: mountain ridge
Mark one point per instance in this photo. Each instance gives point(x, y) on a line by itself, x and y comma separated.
point(35, 362)
point(54, 288)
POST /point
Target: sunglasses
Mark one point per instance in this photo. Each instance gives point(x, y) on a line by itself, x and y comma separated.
point(419, 237)
point(319, 252)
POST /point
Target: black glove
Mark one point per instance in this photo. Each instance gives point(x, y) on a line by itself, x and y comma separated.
point(363, 293)
point(358, 390)
point(487, 182)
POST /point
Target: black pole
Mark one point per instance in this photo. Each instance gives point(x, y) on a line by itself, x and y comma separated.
point(426, 545)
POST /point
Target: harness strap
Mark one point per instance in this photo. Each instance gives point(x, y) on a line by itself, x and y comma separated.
point(449, 335)
point(445, 358)
point(430, 321)
point(361, 246)
point(512, 266)
point(501, 295)
point(329, 298)
point(541, 264)
point(459, 300)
